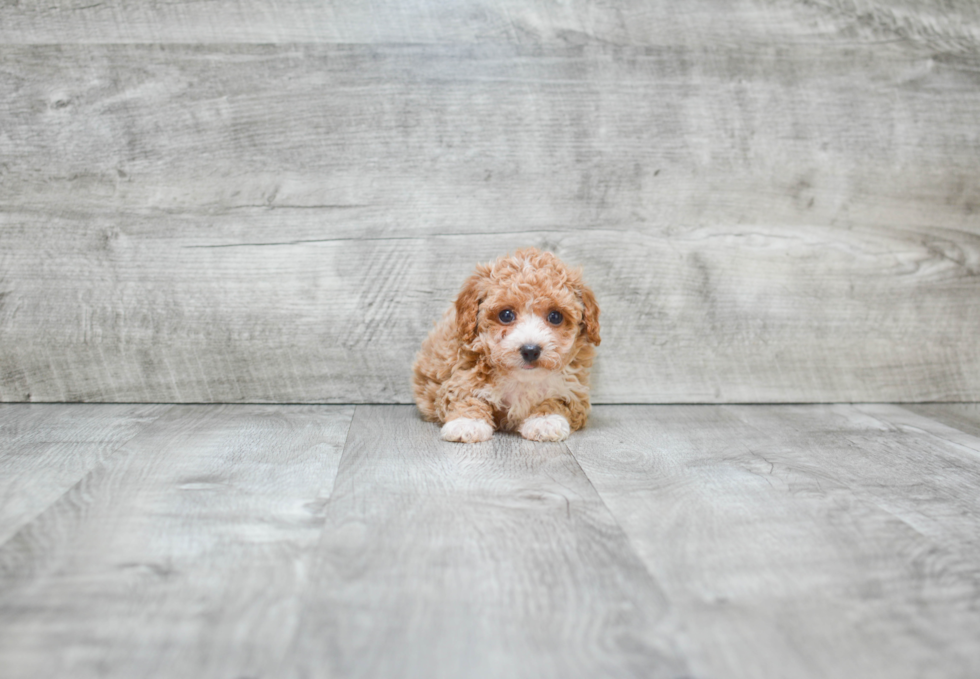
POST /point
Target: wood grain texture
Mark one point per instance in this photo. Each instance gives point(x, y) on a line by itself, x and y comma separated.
point(963, 416)
point(806, 541)
point(497, 137)
point(929, 425)
point(680, 541)
point(488, 560)
point(184, 554)
point(950, 25)
point(793, 221)
point(46, 449)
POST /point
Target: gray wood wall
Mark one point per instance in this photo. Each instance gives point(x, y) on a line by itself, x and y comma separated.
point(774, 200)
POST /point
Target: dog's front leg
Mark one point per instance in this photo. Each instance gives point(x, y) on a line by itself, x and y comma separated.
point(548, 422)
point(468, 421)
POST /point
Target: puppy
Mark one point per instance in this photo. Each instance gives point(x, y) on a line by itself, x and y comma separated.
point(513, 354)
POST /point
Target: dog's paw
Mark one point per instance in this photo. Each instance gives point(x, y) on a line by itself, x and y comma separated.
point(467, 430)
point(546, 428)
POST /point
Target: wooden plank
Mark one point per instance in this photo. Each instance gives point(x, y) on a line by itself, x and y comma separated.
point(498, 138)
point(806, 541)
point(190, 309)
point(962, 416)
point(488, 560)
point(186, 554)
point(907, 419)
point(950, 25)
point(723, 541)
point(46, 449)
point(762, 222)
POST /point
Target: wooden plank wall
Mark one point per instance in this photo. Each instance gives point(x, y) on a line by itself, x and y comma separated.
point(774, 200)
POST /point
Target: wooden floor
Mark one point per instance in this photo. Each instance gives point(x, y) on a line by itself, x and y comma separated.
point(342, 541)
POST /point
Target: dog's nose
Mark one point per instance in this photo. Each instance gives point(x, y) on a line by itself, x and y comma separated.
point(530, 352)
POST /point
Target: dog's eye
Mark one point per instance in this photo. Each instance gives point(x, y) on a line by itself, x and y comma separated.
point(507, 316)
point(555, 318)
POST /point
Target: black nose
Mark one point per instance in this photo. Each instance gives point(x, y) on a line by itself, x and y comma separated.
point(530, 352)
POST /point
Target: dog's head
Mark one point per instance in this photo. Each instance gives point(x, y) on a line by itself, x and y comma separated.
point(529, 313)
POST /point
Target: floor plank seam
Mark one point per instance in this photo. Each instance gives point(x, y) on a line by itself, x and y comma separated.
point(935, 436)
point(622, 529)
point(108, 458)
point(343, 454)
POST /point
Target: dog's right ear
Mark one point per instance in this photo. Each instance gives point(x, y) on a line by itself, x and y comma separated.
point(468, 304)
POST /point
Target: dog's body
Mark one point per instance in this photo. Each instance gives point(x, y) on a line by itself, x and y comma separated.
point(514, 352)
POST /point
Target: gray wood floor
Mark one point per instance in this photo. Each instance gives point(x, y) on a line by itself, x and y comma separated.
point(342, 541)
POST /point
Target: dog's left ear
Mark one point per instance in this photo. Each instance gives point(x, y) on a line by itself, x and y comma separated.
point(468, 304)
point(590, 317)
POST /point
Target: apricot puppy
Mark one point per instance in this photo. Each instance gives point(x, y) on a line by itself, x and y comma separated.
point(512, 354)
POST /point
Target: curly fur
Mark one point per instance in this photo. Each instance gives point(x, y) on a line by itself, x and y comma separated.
point(470, 371)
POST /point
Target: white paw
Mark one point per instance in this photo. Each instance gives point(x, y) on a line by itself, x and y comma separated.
point(546, 428)
point(467, 430)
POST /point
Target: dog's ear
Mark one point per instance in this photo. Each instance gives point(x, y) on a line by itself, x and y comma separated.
point(590, 317)
point(468, 304)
